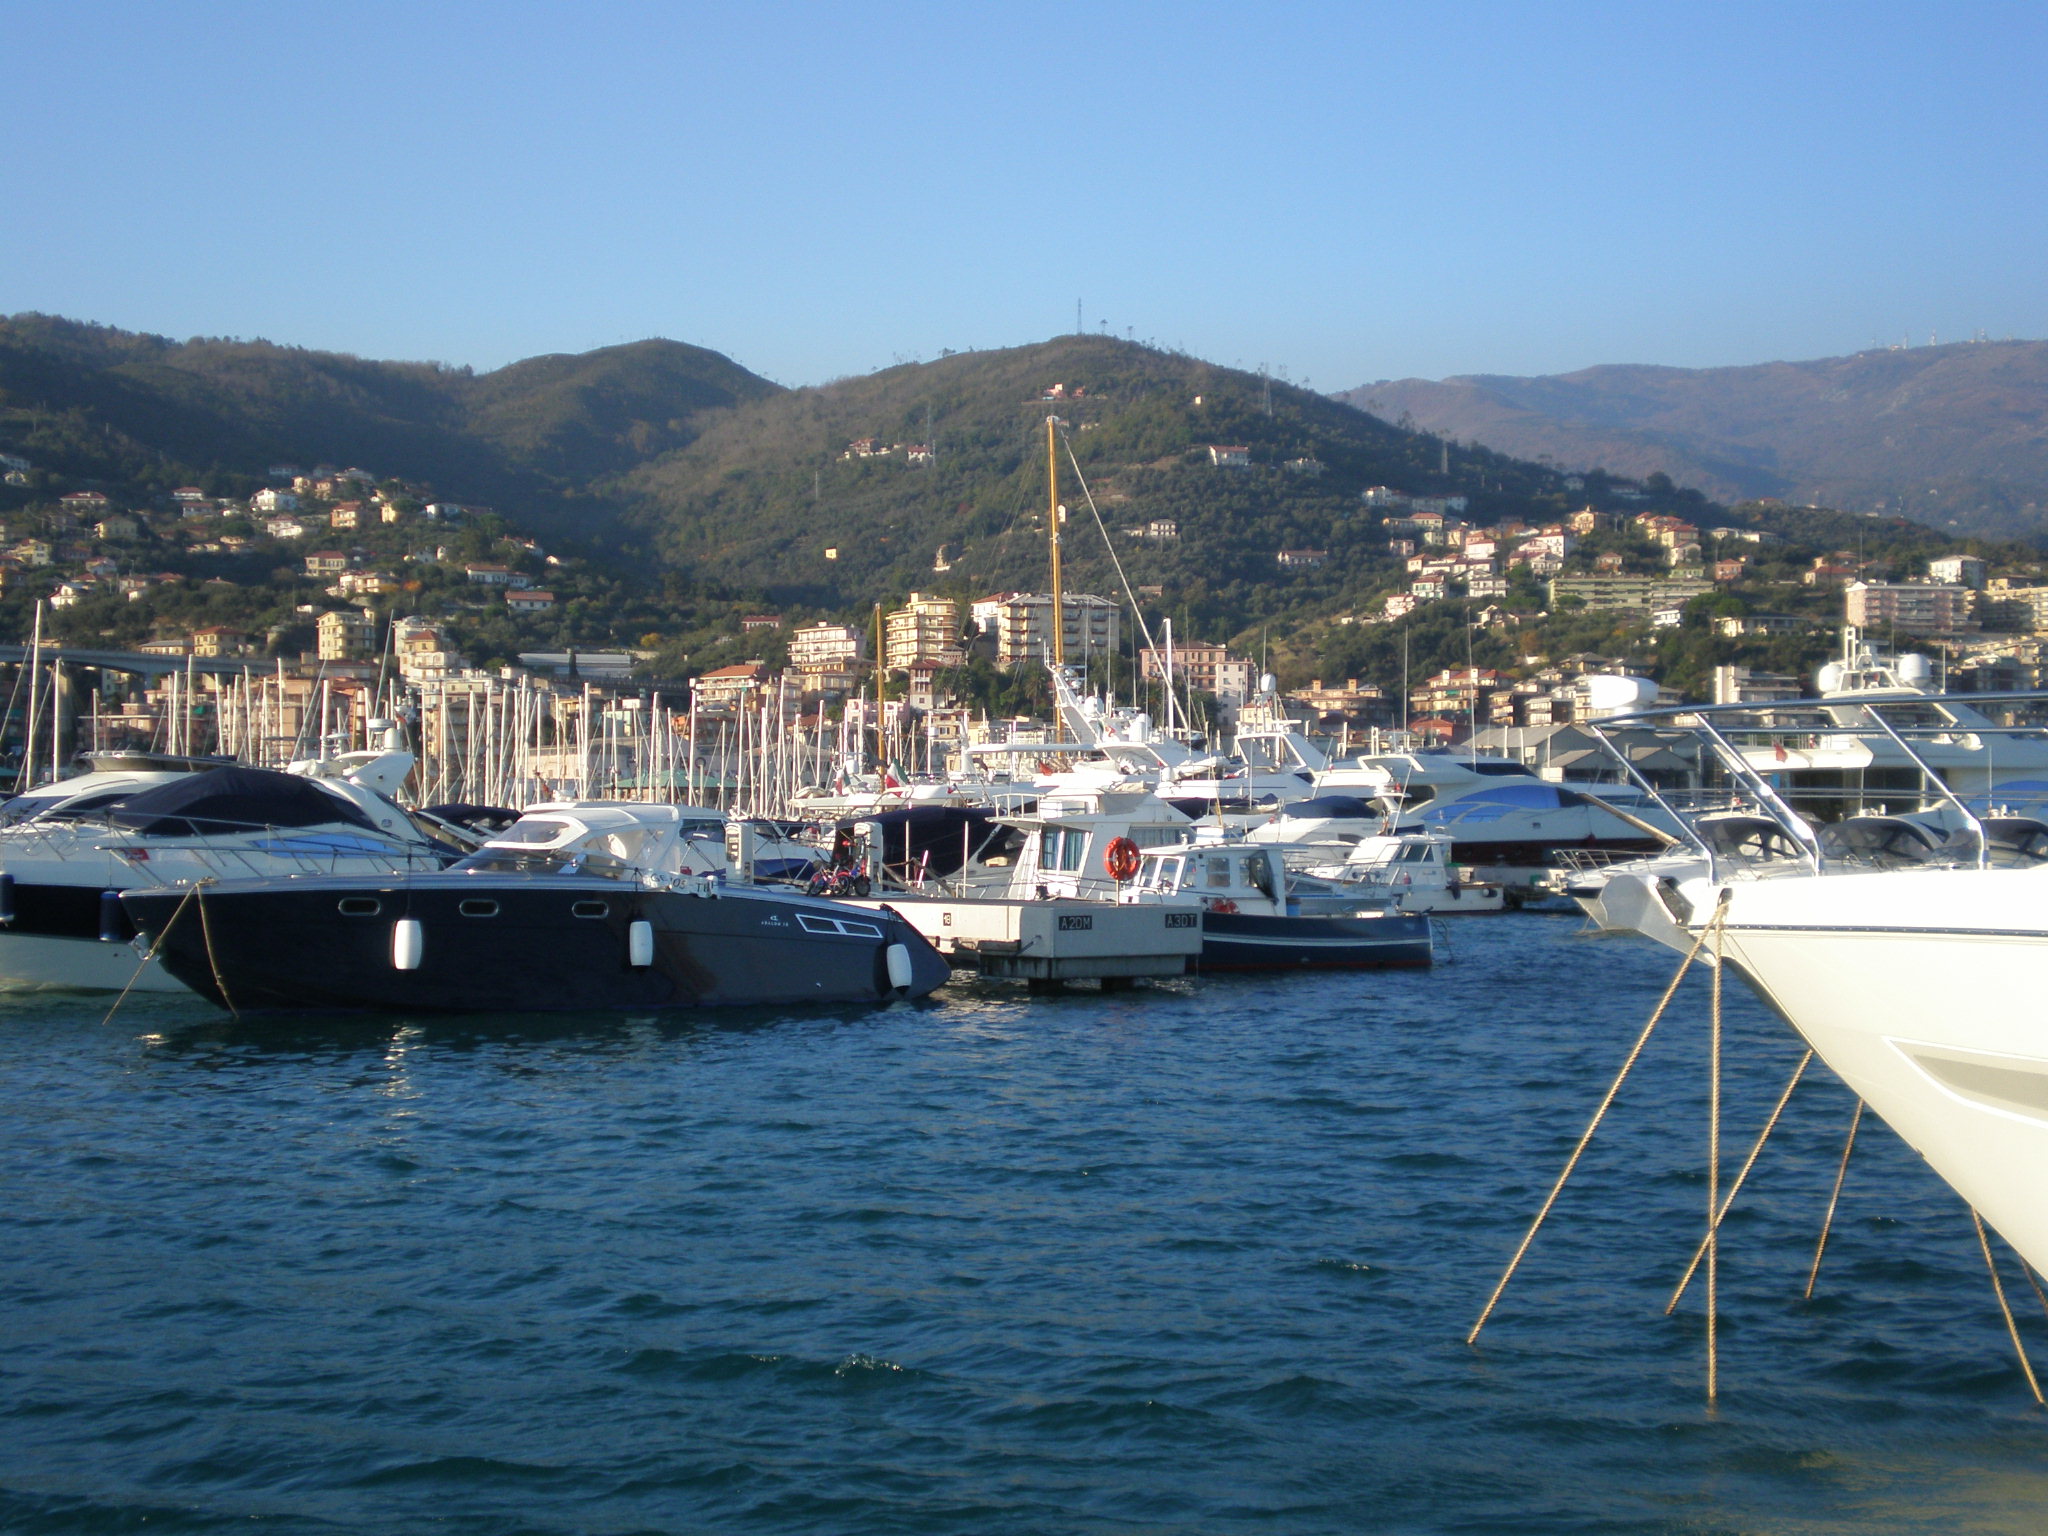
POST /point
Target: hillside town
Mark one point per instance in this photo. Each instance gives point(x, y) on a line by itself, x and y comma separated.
point(404, 584)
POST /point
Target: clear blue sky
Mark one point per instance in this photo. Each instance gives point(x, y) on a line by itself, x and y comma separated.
point(1350, 191)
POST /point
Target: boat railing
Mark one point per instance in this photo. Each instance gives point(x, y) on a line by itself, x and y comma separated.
point(1738, 734)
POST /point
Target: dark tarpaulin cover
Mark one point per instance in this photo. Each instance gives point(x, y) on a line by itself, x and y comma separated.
point(1330, 806)
point(942, 832)
point(234, 800)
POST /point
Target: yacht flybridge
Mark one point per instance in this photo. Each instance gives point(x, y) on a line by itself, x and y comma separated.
point(1847, 759)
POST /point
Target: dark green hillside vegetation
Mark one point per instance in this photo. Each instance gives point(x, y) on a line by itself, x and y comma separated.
point(677, 497)
point(539, 436)
point(767, 491)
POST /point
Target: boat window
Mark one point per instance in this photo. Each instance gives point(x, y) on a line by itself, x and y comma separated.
point(588, 909)
point(1257, 874)
point(537, 829)
point(479, 906)
point(626, 845)
point(1500, 770)
point(1415, 853)
point(1060, 848)
point(40, 808)
point(1165, 874)
point(359, 906)
point(494, 860)
point(1219, 873)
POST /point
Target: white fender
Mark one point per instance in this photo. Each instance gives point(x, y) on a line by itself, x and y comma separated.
point(640, 943)
point(408, 944)
point(900, 972)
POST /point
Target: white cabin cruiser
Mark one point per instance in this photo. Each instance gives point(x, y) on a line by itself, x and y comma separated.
point(1411, 872)
point(1259, 916)
point(63, 864)
point(1496, 811)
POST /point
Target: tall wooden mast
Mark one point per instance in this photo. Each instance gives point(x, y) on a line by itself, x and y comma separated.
point(1052, 521)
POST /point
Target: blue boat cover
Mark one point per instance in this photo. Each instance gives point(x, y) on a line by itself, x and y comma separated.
point(234, 800)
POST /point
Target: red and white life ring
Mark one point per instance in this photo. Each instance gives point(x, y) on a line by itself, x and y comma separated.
point(1121, 859)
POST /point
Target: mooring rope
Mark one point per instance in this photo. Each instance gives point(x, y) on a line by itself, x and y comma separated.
point(1998, 1288)
point(206, 932)
point(1713, 1167)
point(1827, 1222)
point(1585, 1139)
point(1736, 1188)
point(2039, 1295)
point(143, 964)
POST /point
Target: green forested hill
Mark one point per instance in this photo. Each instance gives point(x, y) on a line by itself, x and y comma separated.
point(767, 490)
point(679, 493)
point(541, 435)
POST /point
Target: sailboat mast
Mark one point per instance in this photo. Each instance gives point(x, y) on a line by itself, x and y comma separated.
point(1052, 522)
point(881, 682)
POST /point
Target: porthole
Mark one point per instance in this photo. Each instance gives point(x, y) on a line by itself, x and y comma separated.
point(589, 909)
point(360, 906)
point(479, 906)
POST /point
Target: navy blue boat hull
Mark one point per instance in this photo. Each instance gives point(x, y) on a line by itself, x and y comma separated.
point(1239, 941)
point(522, 945)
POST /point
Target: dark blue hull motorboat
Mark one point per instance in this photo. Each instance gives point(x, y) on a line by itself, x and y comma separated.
point(483, 942)
point(1245, 941)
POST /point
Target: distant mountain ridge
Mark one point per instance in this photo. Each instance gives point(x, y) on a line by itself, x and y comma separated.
point(539, 430)
point(1955, 436)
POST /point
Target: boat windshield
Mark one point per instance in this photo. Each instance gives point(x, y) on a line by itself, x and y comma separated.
point(496, 860)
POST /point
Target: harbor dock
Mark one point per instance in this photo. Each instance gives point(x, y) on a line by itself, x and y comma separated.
point(1057, 940)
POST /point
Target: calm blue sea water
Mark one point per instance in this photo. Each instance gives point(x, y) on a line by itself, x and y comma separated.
point(1187, 1260)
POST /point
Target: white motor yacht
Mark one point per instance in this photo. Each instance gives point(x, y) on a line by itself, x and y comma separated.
point(1922, 989)
point(1846, 762)
point(62, 864)
point(1496, 811)
point(1913, 967)
point(1411, 872)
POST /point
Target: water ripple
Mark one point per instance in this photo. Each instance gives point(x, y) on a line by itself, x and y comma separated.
point(1198, 1259)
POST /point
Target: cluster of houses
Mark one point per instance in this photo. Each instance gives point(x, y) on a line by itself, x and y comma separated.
point(90, 536)
point(875, 448)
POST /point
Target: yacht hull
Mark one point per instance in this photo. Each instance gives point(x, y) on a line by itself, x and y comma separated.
point(55, 942)
point(49, 962)
point(1924, 991)
point(1239, 941)
point(526, 944)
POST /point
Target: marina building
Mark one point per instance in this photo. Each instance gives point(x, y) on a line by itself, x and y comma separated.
point(1908, 607)
point(343, 635)
point(1958, 571)
point(1639, 593)
point(1210, 668)
point(925, 631)
point(1021, 623)
point(725, 688)
point(827, 645)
